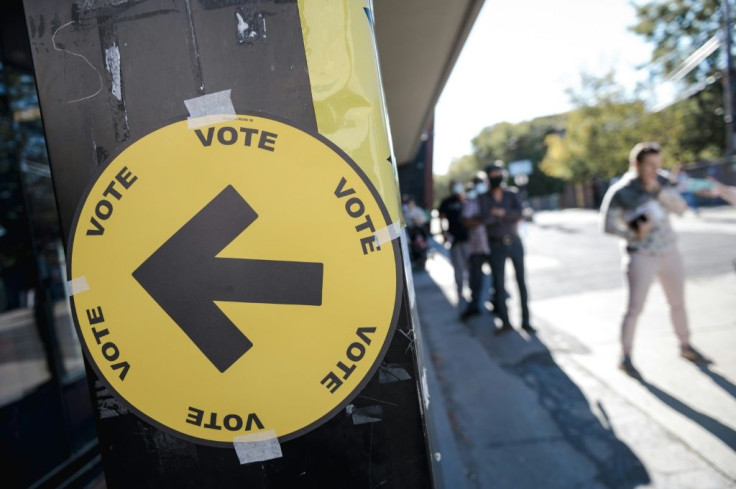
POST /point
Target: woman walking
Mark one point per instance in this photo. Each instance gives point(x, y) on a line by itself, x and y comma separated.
point(637, 210)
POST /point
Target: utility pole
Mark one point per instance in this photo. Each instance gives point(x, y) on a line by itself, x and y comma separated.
point(728, 82)
point(213, 86)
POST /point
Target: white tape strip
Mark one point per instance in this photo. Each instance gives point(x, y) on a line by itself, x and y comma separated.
point(77, 286)
point(210, 109)
point(257, 447)
point(407, 271)
point(389, 233)
point(425, 388)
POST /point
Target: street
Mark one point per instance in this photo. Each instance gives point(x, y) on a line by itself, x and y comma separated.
point(552, 410)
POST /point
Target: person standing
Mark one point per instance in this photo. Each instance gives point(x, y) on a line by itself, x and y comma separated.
point(451, 210)
point(417, 231)
point(500, 210)
point(478, 249)
point(414, 215)
point(637, 209)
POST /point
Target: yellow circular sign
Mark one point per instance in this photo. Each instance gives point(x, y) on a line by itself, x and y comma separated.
point(234, 282)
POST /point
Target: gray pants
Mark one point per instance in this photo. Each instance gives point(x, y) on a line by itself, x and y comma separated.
point(640, 270)
point(475, 278)
point(459, 259)
point(499, 252)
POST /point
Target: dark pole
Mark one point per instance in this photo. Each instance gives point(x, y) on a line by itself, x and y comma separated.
point(111, 73)
point(728, 82)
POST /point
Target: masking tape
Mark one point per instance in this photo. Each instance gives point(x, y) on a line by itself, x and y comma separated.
point(257, 447)
point(408, 272)
point(389, 233)
point(425, 388)
point(210, 109)
point(77, 286)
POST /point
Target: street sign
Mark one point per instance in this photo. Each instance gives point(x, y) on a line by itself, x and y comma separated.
point(225, 295)
point(520, 167)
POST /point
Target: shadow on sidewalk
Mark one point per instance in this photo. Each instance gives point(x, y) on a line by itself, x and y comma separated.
point(724, 433)
point(527, 448)
point(591, 435)
point(719, 380)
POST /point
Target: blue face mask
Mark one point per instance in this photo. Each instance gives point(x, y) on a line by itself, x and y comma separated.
point(481, 188)
point(457, 189)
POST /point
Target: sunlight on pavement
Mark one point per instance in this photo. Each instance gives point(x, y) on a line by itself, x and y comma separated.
point(673, 428)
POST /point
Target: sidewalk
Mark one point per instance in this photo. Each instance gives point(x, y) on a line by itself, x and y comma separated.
point(553, 410)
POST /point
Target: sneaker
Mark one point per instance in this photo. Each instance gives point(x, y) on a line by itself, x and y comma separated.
point(469, 312)
point(506, 328)
point(693, 355)
point(628, 367)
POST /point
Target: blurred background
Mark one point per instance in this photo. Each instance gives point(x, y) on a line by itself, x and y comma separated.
point(571, 86)
point(561, 92)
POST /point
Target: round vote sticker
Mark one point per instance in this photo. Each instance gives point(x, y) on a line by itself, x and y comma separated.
point(228, 279)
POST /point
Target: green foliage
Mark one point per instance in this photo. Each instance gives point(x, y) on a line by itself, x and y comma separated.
point(461, 169)
point(507, 142)
point(598, 135)
point(702, 134)
point(608, 122)
point(677, 28)
point(594, 139)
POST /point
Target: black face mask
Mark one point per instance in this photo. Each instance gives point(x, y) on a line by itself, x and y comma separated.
point(495, 181)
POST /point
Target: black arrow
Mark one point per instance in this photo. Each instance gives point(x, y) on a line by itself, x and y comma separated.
point(184, 277)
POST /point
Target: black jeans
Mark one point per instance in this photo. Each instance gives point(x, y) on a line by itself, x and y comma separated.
point(499, 252)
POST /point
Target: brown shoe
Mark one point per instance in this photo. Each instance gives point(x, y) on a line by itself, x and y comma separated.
point(628, 367)
point(693, 355)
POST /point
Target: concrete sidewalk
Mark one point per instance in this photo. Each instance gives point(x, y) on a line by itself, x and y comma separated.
point(553, 411)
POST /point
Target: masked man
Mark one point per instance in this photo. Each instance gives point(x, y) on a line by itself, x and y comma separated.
point(500, 210)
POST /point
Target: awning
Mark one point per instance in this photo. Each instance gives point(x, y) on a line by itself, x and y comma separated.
point(418, 44)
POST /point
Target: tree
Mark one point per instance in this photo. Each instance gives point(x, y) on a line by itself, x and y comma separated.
point(608, 122)
point(521, 141)
point(677, 28)
point(461, 169)
point(598, 134)
point(507, 142)
point(704, 127)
